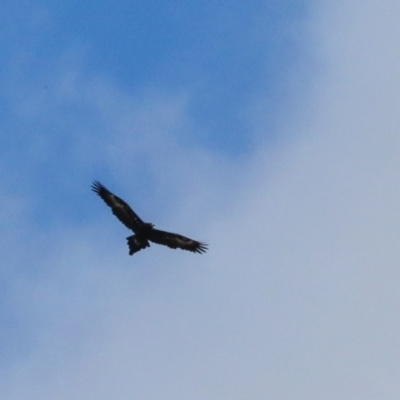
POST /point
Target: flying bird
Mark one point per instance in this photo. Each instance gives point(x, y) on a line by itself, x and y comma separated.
point(144, 231)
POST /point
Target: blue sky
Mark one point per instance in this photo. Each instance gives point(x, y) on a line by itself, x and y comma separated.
point(267, 129)
point(222, 53)
point(215, 58)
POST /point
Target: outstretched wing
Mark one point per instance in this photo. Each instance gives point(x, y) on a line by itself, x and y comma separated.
point(119, 208)
point(175, 241)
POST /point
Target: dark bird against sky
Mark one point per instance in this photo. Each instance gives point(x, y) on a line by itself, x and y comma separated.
point(144, 232)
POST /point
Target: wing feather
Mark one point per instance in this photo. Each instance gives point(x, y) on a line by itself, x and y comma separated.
point(175, 241)
point(119, 208)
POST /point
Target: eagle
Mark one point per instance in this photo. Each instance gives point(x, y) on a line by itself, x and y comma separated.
point(144, 231)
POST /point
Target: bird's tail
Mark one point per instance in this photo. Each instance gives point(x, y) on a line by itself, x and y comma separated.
point(135, 244)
